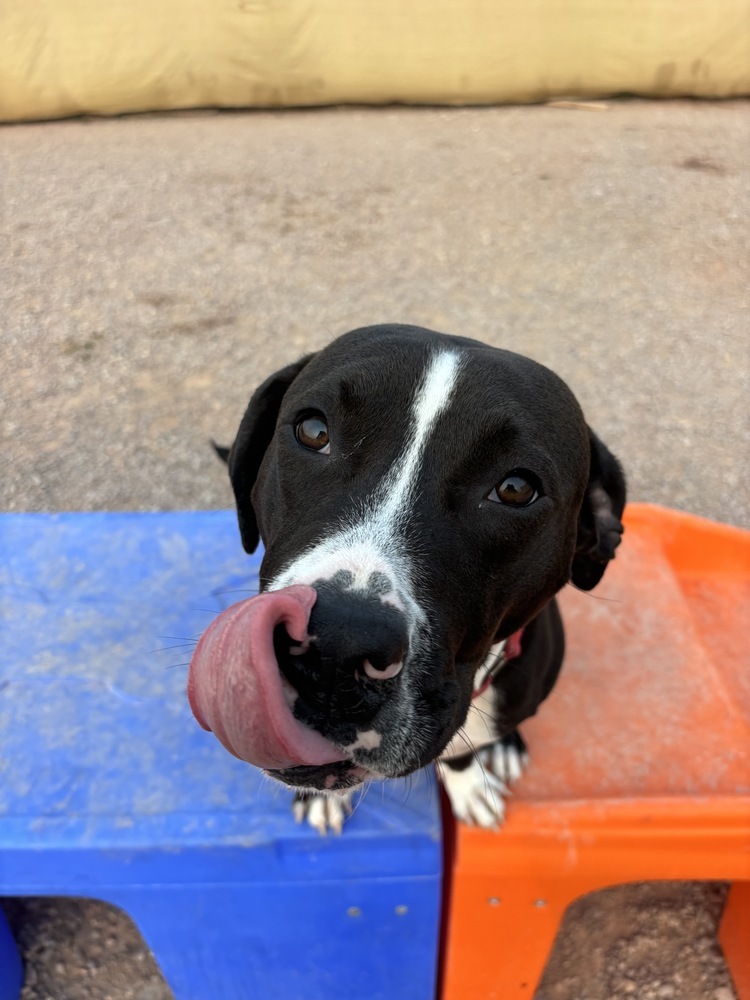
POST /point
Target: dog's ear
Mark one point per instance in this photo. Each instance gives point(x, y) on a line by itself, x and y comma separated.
point(222, 451)
point(599, 525)
point(253, 438)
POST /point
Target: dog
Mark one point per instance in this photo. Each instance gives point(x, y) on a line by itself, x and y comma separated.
point(421, 499)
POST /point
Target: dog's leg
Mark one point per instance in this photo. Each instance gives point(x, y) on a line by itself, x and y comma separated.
point(477, 784)
point(323, 811)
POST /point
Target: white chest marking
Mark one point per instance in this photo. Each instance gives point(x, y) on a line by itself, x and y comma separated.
point(479, 730)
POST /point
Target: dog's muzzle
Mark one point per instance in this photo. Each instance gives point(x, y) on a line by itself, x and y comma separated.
point(271, 671)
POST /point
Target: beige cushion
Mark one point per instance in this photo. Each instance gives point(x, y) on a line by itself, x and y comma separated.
point(67, 57)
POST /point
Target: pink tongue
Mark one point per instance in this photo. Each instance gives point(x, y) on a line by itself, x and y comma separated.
point(235, 685)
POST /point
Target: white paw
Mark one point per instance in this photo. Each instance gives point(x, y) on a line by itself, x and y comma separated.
point(476, 794)
point(323, 812)
point(508, 762)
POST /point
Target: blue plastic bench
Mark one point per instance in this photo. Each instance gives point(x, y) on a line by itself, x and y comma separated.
point(109, 789)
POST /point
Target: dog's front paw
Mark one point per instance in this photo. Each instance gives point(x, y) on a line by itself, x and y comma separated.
point(476, 794)
point(323, 811)
point(478, 784)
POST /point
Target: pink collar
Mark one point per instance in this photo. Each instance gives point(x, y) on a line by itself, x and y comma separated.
point(496, 659)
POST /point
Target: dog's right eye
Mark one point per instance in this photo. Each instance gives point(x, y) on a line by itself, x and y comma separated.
point(517, 489)
point(312, 433)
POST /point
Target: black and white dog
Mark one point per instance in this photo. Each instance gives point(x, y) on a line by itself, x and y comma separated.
point(421, 499)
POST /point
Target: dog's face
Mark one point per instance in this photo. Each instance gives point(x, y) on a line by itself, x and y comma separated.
point(435, 493)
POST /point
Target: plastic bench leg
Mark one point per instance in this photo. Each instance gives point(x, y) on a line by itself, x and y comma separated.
point(11, 970)
point(274, 941)
point(517, 926)
point(734, 937)
point(201, 937)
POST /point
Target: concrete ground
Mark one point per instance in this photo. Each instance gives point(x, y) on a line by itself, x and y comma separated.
point(155, 268)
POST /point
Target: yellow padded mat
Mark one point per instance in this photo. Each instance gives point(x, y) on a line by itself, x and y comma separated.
point(69, 57)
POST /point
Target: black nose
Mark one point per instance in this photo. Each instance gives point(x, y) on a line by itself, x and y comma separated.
point(355, 630)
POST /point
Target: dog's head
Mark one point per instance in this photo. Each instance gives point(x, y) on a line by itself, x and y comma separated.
point(420, 497)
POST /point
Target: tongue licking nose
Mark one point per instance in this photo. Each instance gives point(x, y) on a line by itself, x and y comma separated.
point(235, 686)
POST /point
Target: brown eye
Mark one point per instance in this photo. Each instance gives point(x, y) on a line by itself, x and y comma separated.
point(312, 433)
point(515, 490)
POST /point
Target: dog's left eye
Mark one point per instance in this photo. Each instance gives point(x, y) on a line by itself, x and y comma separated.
point(517, 489)
point(312, 433)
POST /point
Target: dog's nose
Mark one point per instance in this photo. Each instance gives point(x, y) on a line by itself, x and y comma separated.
point(359, 632)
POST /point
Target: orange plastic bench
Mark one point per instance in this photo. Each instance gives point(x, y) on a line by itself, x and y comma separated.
point(640, 760)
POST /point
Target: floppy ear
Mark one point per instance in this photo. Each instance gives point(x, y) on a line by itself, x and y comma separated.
point(599, 525)
point(253, 438)
point(222, 451)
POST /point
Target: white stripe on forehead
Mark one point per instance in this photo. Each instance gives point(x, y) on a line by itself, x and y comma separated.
point(372, 544)
point(430, 401)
